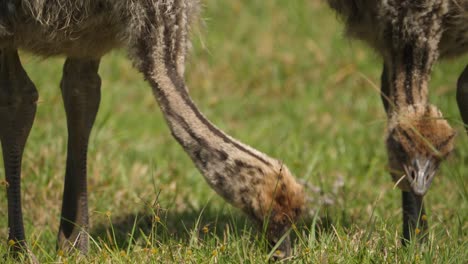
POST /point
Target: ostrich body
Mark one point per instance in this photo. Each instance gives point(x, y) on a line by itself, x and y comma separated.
point(155, 34)
point(410, 36)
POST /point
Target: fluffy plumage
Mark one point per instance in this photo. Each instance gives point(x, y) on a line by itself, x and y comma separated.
point(73, 27)
point(410, 36)
point(369, 20)
point(418, 131)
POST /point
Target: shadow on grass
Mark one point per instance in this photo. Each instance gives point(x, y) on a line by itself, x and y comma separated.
point(148, 225)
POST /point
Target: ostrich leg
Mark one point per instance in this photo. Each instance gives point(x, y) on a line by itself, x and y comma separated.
point(18, 97)
point(462, 96)
point(414, 219)
point(412, 205)
point(81, 94)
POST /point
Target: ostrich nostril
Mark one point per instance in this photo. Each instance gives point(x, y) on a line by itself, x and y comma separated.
point(413, 175)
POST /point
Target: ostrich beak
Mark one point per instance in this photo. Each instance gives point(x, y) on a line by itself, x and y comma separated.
point(283, 250)
point(420, 174)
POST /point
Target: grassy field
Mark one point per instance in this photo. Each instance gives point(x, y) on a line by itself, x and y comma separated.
point(279, 76)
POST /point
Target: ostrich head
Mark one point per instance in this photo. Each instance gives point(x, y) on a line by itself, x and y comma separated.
point(418, 140)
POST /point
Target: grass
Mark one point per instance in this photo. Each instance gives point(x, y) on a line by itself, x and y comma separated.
point(279, 76)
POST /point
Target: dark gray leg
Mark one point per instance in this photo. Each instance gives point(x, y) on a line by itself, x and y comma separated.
point(18, 97)
point(414, 217)
point(462, 96)
point(81, 96)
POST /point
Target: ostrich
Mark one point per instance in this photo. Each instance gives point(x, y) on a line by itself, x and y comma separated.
point(155, 33)
point(410, 36)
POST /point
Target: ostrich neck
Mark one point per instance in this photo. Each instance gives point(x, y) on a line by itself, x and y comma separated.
point(209, 147)
point(410, 71)
point(243, 176)
point(233, 169)
point(412, 33)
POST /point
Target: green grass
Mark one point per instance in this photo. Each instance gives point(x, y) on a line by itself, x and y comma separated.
point(279, 76)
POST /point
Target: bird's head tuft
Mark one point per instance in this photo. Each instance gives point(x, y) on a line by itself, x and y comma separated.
point(418, 140)
point(282, 203)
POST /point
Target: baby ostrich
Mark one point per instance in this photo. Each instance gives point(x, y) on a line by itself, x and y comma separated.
point(155, 32)
point(410, 36)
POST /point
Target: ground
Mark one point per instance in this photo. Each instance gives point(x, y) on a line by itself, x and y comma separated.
point(280, 76)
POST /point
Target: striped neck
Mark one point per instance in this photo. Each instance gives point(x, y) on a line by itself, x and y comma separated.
point(413, 31)
point(244, 176)
point(259, 185)
point(409, 74)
